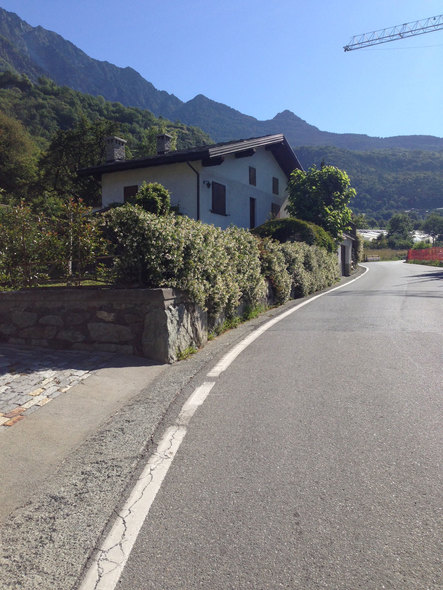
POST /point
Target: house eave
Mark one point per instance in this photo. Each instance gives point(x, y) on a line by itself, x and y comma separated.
point(277, 144)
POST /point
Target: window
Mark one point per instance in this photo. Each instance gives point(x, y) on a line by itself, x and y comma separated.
point(218, 198)
point(129, 191)
point(251, 212)
point(275, 185)
point(275, 209)
point(252, 176)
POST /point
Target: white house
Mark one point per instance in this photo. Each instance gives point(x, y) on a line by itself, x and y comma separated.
point(238, 182)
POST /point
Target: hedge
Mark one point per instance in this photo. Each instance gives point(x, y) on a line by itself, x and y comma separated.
point(291, 229)
point(218, 268)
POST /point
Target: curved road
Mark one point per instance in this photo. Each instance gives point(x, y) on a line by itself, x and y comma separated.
point(314, 461)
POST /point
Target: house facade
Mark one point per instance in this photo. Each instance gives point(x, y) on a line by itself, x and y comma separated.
point(239, 182)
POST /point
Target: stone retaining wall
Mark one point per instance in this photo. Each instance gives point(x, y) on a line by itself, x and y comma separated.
point(153, 323)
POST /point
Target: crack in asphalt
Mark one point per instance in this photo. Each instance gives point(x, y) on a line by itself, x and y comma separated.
point(105, 557)
point(131, 517)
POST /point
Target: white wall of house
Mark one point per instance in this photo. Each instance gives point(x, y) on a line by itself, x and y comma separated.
point(181, 181)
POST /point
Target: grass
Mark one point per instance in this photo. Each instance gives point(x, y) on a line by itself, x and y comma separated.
point(385, 253)
point(186, 353)
point(229, 324)
point(437, 263)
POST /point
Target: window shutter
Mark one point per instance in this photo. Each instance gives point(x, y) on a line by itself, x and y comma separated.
point(218, 198)
point(129, 191)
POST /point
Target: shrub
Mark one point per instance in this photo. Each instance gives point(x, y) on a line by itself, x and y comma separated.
point(275, 270)
point(217, 268)
point(296, 230)
point(25, 246)
point(301, 278)
point(152, 197)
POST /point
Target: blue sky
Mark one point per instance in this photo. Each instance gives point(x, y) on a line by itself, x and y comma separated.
point(264, 56)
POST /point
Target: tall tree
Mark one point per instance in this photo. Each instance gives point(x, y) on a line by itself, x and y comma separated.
point(433, 225)
point(17, 157)
point(321, 195)
point(400, 230)
point(70, 150)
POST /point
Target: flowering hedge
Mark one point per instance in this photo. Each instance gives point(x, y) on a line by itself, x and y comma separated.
point(218, 268)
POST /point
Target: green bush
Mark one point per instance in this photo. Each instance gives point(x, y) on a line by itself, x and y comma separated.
point(152, 197)
point(218, 268)
point(422, 245)
point(275, 270)
point(291, 229)
point(311, 268)
point(302, 283)
point(37, 247)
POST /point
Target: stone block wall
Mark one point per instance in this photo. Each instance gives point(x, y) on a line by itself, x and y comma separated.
point(153, 323)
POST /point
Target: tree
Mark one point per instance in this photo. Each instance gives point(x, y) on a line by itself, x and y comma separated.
point(148, 144)
point(400, 230)
point(321, 196)
point(79, 147)
point(433, 225)
point(27, 245)
point(17, 157)
point(80, 239)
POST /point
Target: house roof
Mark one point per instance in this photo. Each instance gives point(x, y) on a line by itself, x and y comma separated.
point(209, 154)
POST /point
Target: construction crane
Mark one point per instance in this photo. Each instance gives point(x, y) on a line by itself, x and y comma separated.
point(419, 27)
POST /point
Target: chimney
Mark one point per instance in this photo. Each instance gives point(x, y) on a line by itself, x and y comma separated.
point(163, 144)
point(114, 149)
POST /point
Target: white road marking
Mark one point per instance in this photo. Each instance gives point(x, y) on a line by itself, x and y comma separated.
point(110, 559)
point(225, 361)
point(113, 554)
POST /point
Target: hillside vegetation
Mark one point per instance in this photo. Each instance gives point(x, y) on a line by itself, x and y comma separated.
point(35, 51)
point(386, 181)
point(48, 132)
point(44, 108)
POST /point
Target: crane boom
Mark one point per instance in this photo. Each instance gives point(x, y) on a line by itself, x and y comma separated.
point(419, 27)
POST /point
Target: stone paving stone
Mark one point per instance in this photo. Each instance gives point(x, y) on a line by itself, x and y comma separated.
point(5, 408)
point(36, 391)
point(14, 412)
point(44, 401)
point(30, 403)
point(13, 421)
point(31, 378)
point(50, 389)
point(58, 392)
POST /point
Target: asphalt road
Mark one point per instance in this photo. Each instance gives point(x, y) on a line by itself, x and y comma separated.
point(314, 461)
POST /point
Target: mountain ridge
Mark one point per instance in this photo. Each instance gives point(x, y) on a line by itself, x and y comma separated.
point(35, 51)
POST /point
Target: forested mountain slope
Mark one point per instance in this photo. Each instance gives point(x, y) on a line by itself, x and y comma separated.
point(386, 180)
point(44, 108)
point(35, 51)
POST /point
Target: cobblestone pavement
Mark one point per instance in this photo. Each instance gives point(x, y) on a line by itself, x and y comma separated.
point(33, 377)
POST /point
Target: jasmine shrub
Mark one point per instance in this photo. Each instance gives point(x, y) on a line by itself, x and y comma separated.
point(218, 268)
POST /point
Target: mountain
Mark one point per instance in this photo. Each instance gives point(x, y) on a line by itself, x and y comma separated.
point(35, 51)
point(387, 181)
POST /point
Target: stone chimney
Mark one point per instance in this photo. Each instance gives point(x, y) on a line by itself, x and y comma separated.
point(163, 144)
point(115, 149)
